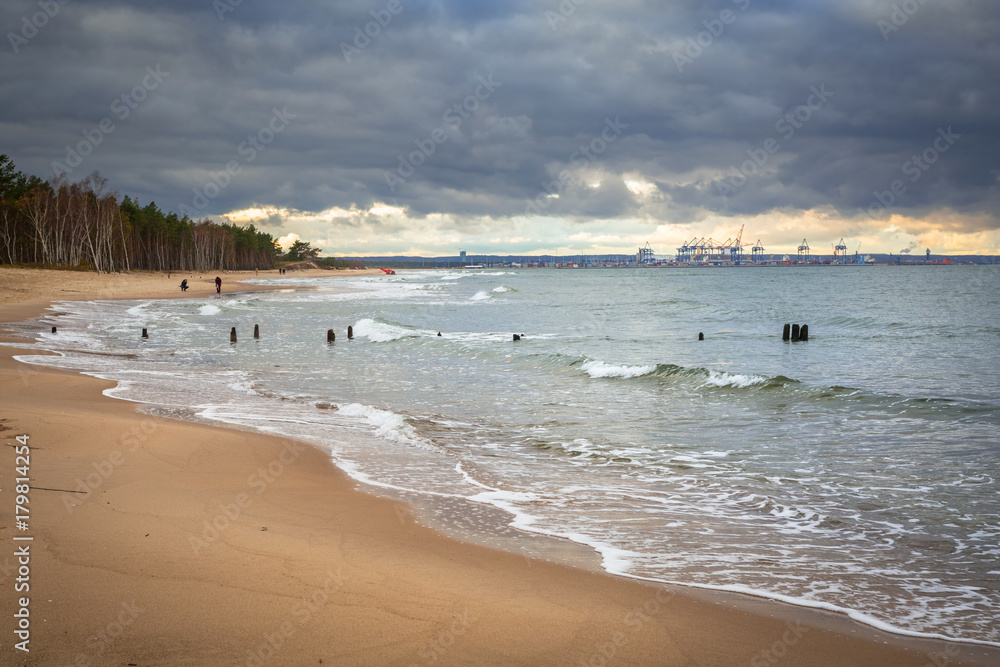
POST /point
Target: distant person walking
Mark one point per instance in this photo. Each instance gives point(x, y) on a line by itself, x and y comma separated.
point(218, 285)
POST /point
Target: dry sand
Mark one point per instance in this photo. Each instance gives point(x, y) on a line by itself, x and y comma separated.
point(197, 545)
point(40, 286)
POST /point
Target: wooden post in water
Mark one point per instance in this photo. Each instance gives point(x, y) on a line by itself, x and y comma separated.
point(701, 336)
point(795, 332)
point(330, 336)
point(256, 331)
point(144, 334)
point(804, 332)
point(786, 333)
point(516, 338)
point(53, 329)
point(350, 332)
point(232, 335)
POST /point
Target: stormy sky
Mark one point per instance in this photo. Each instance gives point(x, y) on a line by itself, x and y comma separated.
point(581, 126)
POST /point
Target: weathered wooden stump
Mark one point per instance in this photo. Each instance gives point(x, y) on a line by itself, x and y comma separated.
point(330, 336)
point(256, 331)
point(786, 334)
point(795, 332)
point(144, 334)
point(350, 332)
point(232, 335)
point(804, 332)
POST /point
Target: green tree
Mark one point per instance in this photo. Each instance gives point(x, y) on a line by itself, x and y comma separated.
point(302, 250)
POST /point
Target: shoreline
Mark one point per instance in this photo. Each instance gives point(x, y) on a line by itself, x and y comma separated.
point(383, 570)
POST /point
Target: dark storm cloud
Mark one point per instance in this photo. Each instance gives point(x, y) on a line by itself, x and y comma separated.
point(371, 88)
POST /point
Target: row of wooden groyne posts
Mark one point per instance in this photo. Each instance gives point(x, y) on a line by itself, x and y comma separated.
point(791, 332)
point(331, 336)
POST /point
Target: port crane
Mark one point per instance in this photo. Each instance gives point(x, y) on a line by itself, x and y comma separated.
point(803, 256)
point(839, 252)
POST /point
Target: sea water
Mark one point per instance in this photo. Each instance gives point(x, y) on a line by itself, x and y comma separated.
point(857, 471)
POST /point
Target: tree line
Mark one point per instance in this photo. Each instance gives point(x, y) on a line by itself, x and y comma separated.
point(84, 225)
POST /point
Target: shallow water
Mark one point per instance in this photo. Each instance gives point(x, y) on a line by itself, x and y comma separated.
point(855, 471)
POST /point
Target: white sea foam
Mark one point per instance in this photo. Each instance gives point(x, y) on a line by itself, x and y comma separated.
point(723, 379)
point(381, 332)
point(480, 296)
point(388, 425)
point(354, 471)
point(600, 369)
point(501, 289)
point(245, 386)
point(209, 309)
point(135, 311)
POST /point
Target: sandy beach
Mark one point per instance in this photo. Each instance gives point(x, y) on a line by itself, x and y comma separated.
point(158, 542)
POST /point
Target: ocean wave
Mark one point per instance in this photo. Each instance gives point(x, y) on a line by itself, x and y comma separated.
point(480, 296)
point(378, 331)
point(209, 309)
point(138, 310)
point(388, 425)
point(245, 386)
point(723, 379)
point(600, 369)
point(502, 289)
point(596, 368)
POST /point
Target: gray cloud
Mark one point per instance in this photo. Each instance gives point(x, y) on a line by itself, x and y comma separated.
point(355, 116)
